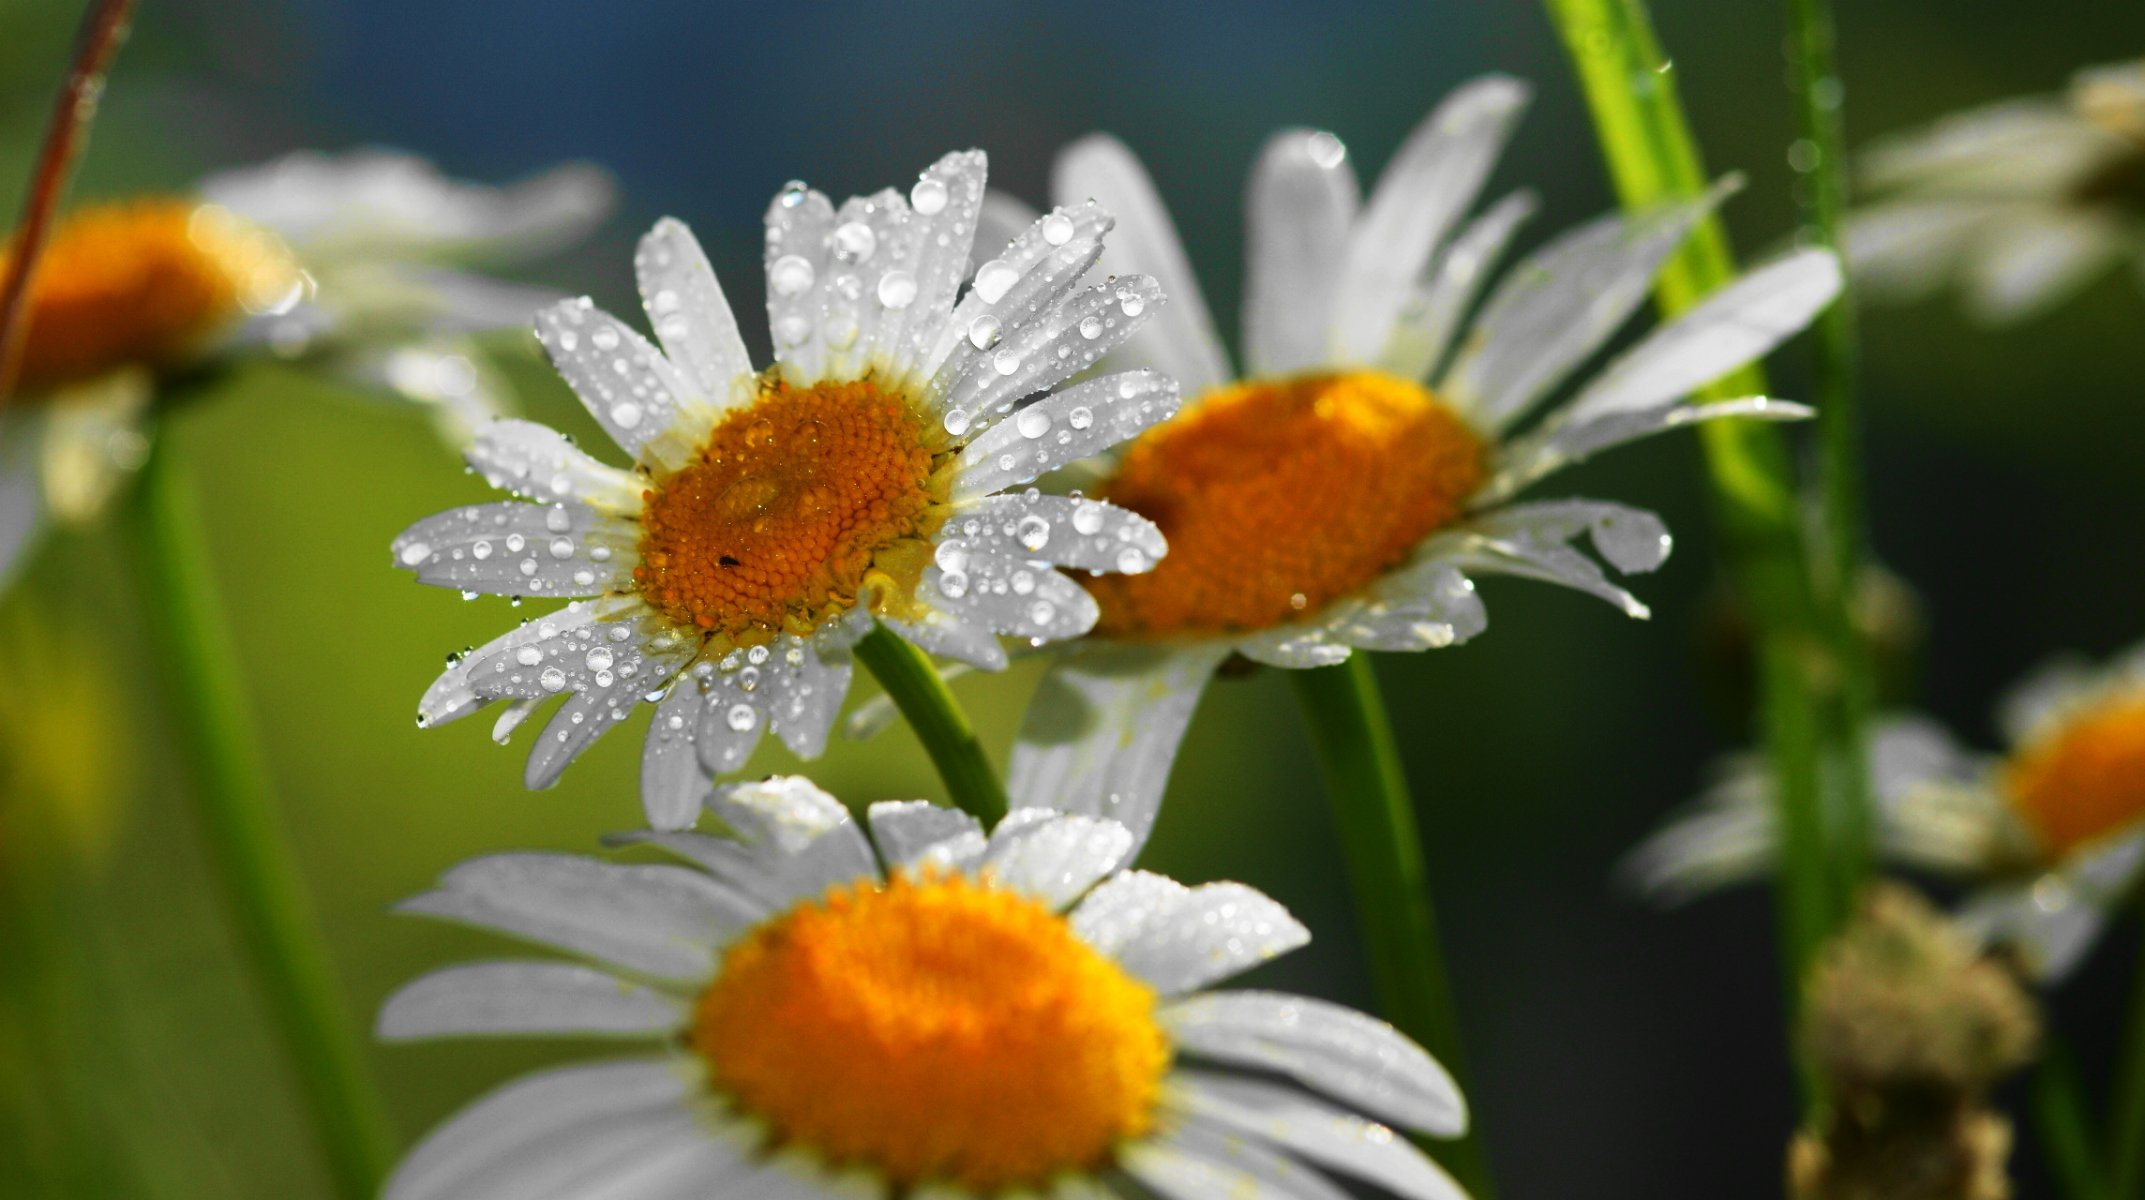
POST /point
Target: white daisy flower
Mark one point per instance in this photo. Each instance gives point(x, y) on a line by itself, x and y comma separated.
point(929, 1013)
point(355, 261)
point(2019, 204)
point(1341, 492)
point(2054, 829)
point(772, 517)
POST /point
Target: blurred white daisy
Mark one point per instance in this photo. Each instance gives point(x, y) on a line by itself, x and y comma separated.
point(929, 1013)
point(2019, 204)
point(1339, 494)
point(772, 517)
point(359, 262)
point(2054, 829)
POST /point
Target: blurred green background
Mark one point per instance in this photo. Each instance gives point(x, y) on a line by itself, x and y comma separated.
point(1616, 1051)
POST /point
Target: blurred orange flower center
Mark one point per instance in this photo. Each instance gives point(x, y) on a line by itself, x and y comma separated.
point(2083, 779)
point(798, 505)
point(1281, 496)
point(144, 283)
point(935, 1028)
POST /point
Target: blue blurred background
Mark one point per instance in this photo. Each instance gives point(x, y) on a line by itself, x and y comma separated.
point(1615, 1051)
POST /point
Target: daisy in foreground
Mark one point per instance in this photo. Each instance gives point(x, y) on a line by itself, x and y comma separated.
point(1338, 494)
point(2055, 828)
point(1001, 1015)
point(773, 518)
point(2020, 203)
point(354, 262)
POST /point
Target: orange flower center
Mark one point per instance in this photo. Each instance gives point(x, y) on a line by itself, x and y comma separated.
point(2083, 779)
point(144, 283)
point(934, 1029)
point(1281, 496)
point(798, 505)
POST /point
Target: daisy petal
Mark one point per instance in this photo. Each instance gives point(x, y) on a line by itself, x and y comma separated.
point(1063, 530)
point(1557, 307)
point(1423, 607)
point(1103, 729)
point(1295, 647)
point(460, 691)
point(1059, 343)
point(911, 832)
point(1423, 331)
point(800, 229)
point(1738, 324)
point(2029, 262)
point(1196, 1161)
point(2055, 919)
point(537, 462)
point(1012, 596)
point(1298, 209)
point(1528, 540)
point(1352, 1057)
point(1527, 460)
point(673, 784)
point(1418, 199)
point(1290, 1120)
point(485, 1141)
point(1058, 858)
point(933, 250)
point(941, 633)
point(691, 316)
point(1907, 249)
point(516, 549)
point(575, 726)
point(625, 383)
point(1027, 274)
point(513, 998)
point(1184, 938)
point(1183, 345)
point(660, 921)
point(1081, 420)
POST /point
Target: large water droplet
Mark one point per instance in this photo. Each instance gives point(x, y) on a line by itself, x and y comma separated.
point(928, 196)
point(994, 279)
point(1081, 417)
point(598, 658)
point(625, 414)
point(553, 679)
point(789, 275)
point(897, 289)
point(415, 554)
point(854, 242)
point(983, 331)
point(742, 717)
point(1033, 532)
point(1032, 422)
point(1057, 229)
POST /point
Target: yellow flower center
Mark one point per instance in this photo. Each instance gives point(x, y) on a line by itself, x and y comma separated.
point(799, 503)
point(144, 282)
point(934, 1028)
point(2083, 779)
point(1280, 496)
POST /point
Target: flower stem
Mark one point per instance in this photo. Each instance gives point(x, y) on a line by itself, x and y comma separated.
point(1383, 850)
point(924, 700)
point(231, 792)
point(2059, 1117)
point(1630, 88)
point(2126, 1131)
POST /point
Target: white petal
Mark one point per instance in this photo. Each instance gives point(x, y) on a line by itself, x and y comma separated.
point(480, 676)
point(793, 841)
point(691, 316)
point(1728, 837)
point(941, 633)
point(1058, 858)
point(1178, 938)
point(1017, 279)
point(1063, 530)
point(1420, 196)
point(1010, 596)
point(1035, 355)
point(1738, 324)
point(1529, 540)
point(1558, 306)
point(512, 998)
point(1198, 1162)
point(484, 1144)
point(932, 248)
point(1526, 460)
point(2024, 265)
point(537, 462)
point(1084, 420)
point(1298, 209)
point(1423, 607)
point(912, 832)
point(673, 784)
point(1317, 1131)
point(1003, 218)
point(1425, 327)
point(1182, 344)
point(1907, 249)
point(635, 393)
point(21, 499)
point(516, 549)
point(1295, 647)
point(800, 229)
point(85, 425)
point(661, 921)
point(1103, 728)
point(1352, 1057)
point(2014, 147)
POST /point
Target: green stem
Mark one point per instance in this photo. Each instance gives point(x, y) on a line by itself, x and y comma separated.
point(2126, 1131)
point(2059, 1116)
point(1819, 97)
point(930, 709)
point(1630, 88)
point(1383, 851)
point(231, 791)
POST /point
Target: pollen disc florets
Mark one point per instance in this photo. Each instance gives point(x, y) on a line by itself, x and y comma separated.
point(934, 1028)
point(144, 282)
point(2084, 777)
point(796, 506)
point(1280, 496)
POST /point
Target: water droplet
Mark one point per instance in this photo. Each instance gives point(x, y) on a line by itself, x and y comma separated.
point(528, 566)
point(626, 414)
point(956, 422)
point(665, 300)
point(1041, 612)
point(1057, 229)
point(1023, 582)
point(605, 338)
point(756, 655)
point(749, 679)
point(951, 557)
point(553, 679)
point(415, 553)
point(791, 195)
point(742, 717)
point(1087, 519)
point(515, 542)
point(1005, 362)
point(562, 547)
point(897, 289)
point(953, 584)
point(1130, 304)
point(793, 330)
point(1132, 560)
point(584, 578)
point(599, 553)
point(528, 656)
point(1032, 422)
point(1033, 532)
point(598, 658)
point(928, 197)
point(854, 242)
point(1091, 327)
point(994, 279)
point(789, 275)
point(558, 520)
point(983, 331)
point(1326, 151)
point(481, 551)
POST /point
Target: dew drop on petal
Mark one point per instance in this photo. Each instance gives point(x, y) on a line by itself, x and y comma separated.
point(553, 679)
point(1033, 532)
point(1057, 229)
point(956, 422)
point(789, 275)
point(983, 331)
point(854, 242)
point(928, 197)
point(994, 279)
point(1132, 560)
point(1087, 518)
point(897, 289)
point(742, 717)
point(626, 415)
point(481, 551)
point(562, 547)
point(1032, 422)
point(415, 553)
point(528, 656)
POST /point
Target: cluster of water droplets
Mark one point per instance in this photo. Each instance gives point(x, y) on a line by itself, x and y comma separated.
point(515, 549)
point(625, 381)
point(1080, 421)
